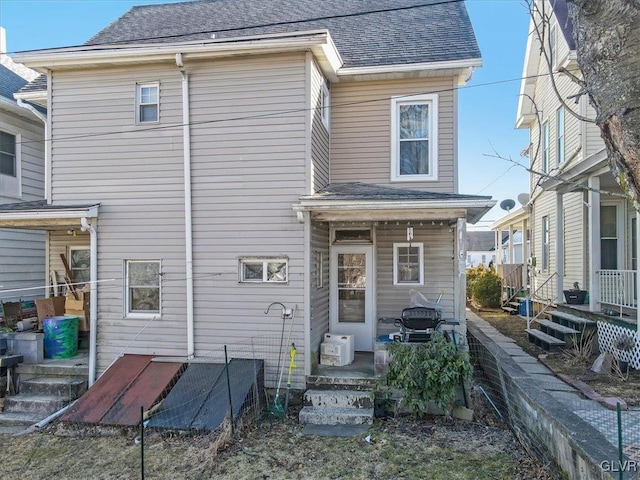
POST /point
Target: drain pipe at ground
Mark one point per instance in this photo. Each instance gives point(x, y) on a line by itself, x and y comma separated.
point(188, 214)
point(93, 304)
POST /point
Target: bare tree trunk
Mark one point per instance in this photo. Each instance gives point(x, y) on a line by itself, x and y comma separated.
point(607, 34)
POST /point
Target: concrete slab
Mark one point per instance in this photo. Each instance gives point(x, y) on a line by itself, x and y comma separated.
point(335, 430)
point(525, 358)
point(535, 368)
point(550, 382)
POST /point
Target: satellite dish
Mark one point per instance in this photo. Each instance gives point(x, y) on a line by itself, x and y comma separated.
point(523, 198)
point(507, 204)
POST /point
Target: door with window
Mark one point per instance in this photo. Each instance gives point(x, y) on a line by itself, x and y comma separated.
point(352, 294)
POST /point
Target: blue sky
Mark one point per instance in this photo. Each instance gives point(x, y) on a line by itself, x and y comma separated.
point(486, 112)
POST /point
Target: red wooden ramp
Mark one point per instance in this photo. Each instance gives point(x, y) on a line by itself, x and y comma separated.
point(133, 381)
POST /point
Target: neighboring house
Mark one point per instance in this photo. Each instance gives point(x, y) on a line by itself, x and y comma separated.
point(480, 248)
point(22, 252)
point(210, 174)
point(582, 228)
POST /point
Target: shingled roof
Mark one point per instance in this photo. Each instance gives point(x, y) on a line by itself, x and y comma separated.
point(366, 191)
point(10, 82)
point(398, 32)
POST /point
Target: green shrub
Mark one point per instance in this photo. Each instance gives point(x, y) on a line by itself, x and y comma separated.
point(473, 273)
point(427, 372)
point(487, 290)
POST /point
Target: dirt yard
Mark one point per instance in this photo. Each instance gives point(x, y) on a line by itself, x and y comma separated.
point(573, 362)
point(398, 448)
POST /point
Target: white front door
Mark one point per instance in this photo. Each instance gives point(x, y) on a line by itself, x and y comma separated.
point(352, 294)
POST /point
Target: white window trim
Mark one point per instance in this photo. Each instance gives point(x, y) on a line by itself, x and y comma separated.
point(127, 307)
point(325, 105)
point(70, 251)
point(561, 139)
point(546, 154)
point(139, 87)
point(265, 261)
point(396, 246)
point(396, 102)
point(11, 186)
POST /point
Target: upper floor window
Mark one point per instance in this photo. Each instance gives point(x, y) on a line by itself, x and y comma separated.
point(545, 147)
point(414, 136)
point(148, 102)
point(324, 104)
point(8, 154)
point(560, 135)
point(142, 287)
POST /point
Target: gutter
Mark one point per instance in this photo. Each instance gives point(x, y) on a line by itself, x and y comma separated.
point(188, 213)
point(93, 304)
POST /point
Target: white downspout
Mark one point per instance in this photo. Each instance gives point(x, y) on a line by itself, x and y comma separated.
point(188, 218)
point(93, 305)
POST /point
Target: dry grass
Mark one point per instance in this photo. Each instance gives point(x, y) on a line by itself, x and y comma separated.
point(400, 448)
point(574, 362)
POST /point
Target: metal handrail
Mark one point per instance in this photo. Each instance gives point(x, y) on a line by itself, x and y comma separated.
point(547, 301)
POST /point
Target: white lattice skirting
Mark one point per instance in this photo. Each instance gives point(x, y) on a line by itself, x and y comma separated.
point(607, 336)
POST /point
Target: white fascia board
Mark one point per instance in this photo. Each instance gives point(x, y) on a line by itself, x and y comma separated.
point(462, 65)
point(511, 218)
point(328, 205)
point(36, 97)
point(528, 82)
point(91, 55)
point(49, 214)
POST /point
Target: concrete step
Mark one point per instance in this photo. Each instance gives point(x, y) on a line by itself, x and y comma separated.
point(40, 404)
point(328, 382)
point(558, 331)
point(65, 387)
point(336, 416)
point(14, 419)
point(510, 310)
point(544, 340)
point(571, 321)
point(339, 398)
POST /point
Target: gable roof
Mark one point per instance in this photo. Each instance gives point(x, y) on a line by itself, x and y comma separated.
point(401, 32)
point(476, 241)
point(10, 82)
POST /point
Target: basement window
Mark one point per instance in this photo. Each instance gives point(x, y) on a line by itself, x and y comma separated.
point(264, 270)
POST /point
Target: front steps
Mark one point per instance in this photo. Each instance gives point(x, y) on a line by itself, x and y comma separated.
point(337, 407)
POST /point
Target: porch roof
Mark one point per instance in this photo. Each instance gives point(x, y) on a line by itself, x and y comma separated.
point(43, 216)
point(360, 201)
point(574, 176)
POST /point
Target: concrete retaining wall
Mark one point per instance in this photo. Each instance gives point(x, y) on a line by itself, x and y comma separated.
point(543, 425)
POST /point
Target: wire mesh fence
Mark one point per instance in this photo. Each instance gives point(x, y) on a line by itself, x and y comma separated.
point(560, 420)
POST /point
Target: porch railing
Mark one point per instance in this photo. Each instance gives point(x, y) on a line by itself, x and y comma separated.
point(545, 295)
point(618, 287)
point(511, 275)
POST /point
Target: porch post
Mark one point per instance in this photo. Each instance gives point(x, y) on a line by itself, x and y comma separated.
point(636, 272)
point(460, 280)
point(594, 243)
point(525, 254)
point(559, 246)
point(511, 245)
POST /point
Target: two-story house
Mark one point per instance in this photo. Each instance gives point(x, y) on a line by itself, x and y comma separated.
point(582, 227)
point(215, 157)
point(22, 252)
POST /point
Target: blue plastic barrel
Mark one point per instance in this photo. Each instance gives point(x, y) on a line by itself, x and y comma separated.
point(522, 308)
point(60, 336)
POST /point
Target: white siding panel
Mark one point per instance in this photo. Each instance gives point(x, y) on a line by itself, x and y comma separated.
point(319, 132)
point(319, 295)
point(361, 131)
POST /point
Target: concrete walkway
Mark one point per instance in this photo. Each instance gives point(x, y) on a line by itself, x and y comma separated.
point(591, 411)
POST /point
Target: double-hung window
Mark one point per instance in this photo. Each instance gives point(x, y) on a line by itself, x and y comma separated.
point(8, 154)
point(560, 135)
point(264, 270)
point(142, 280)
point(414, 135)
point(546, 243)
point(148, 102)
point(408, 264)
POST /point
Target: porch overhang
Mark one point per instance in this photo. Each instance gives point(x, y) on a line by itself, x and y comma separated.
point(362, 202)
point(575, 176)
point(42, 216)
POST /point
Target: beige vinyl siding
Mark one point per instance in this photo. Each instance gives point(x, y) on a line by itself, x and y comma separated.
point(247, 173)
point(594, 141)
point(575, 239)
point(22, 254)
point(438, 268)
point(59, 243)
point(319, 133)
point(361, 131)
point(319, 296)
point(135, 172)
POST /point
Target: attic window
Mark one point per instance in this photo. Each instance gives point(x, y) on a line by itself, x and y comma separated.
point(148, 102)
point(414, 138)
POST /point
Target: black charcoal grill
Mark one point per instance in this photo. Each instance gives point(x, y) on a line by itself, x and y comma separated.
point(417, 324)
